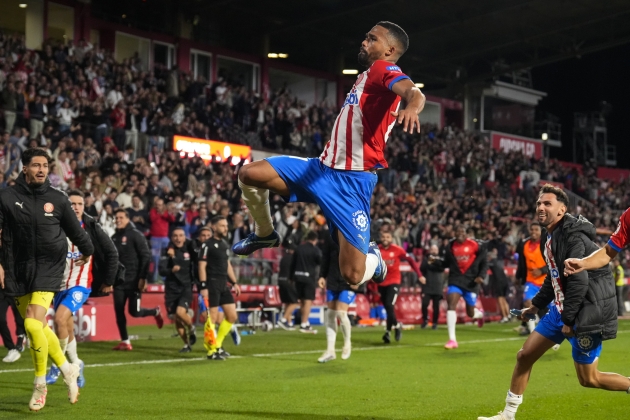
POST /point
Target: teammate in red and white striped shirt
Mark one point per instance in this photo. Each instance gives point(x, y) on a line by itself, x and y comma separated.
point(342, 180)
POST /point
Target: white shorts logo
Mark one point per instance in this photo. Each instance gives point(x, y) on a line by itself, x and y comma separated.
point(77, 296)
point(360, 220)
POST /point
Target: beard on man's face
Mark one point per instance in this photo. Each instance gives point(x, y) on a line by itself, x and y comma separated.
point(363, 58)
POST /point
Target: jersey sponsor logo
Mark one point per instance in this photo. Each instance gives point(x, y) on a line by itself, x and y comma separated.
point(48, 207)
point(393, 68)
point(73, 255)
point(20, 204)
point(352, 98)
point(360, 220)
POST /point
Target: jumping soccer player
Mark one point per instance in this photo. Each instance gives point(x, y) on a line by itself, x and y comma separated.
point(215, 272)
point(467, 262)
point(585, 311)
point(35, 219)
point(342, 179)
point(339, 296)
point(392, 254)
point(77, 283)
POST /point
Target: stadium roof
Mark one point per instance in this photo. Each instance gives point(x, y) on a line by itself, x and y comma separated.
point(451, 40)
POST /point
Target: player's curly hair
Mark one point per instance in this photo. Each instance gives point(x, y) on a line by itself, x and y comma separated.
point(397, 33)
point(561, 196)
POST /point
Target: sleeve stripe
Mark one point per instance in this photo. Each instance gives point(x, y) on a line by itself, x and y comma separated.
point(613, 245)
point(399, 78)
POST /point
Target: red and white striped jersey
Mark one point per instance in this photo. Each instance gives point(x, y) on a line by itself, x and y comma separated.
point(362, 127)
point(75, 275)
point(554, 273)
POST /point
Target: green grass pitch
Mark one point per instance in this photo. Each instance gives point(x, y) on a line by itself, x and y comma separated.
point(275, 375)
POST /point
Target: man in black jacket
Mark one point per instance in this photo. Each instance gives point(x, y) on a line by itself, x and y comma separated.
point(467, 262)
point(304, 271)
point(134, 254)
point(585, 311)
point(288, 295)
point(433, 286)
point(178, 267)
point(339, 296)
point(78, 282)
point(35, 220)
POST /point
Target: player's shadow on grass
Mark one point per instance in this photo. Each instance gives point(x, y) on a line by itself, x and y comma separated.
point(292, 416)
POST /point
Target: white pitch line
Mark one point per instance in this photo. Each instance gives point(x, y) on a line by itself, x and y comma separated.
point(289, 353)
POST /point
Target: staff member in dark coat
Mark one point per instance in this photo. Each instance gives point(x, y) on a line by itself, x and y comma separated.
point(135, 256)
point(177, 266)
point(288, 294)
point(339, 296)
point(585, 303)
point(433, 286)
point(304, 273)
point(35, 220)
point(15, 349)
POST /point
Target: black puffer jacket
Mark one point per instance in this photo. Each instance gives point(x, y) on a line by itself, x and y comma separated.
point(34, 223)
point(589, 301)
point(134, 254)
point(105, 260)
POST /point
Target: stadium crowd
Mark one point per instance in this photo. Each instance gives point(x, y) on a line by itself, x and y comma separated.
point(109, 128)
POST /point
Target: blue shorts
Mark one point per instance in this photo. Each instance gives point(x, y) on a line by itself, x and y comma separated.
point(530, 291)
point(343, 196)
point(345, 296)
point(73, 298)
point(586, 348)
point(469, 297)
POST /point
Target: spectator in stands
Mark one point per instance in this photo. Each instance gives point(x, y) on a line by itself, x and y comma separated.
point(9, 104)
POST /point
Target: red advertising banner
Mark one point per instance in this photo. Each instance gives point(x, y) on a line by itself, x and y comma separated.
point(511, 143)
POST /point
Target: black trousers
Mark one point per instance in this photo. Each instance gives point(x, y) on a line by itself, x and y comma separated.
point(133, 296)
point(426, 299)
point(5, 332)
point(389, 294)
point(620, 304)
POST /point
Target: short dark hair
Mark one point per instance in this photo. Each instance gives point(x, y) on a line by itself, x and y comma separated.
point(29, 154)
point(216, 219)
point(311, 235)
point(78, 193)
point(205, 228)
point(561, 196)
point(397, 33)
point(535, 224)
point(121, 210)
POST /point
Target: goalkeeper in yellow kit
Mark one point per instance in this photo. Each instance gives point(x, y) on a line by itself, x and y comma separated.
point(216, 276)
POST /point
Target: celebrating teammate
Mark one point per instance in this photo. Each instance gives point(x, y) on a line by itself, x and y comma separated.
point(392, 254)
point(532, 269)
point(585, 310)
point(339, 296)
point(467, 262)
point(177, 266)
point(35, 220)
point(215, 272)
point(603, 256)
point(77, 283)
point(342, 180)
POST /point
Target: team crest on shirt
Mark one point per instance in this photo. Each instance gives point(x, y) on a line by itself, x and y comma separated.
point(186, 256)
point(585, 342)
point(360, 220)
point(77, 296)
point(124, 240)
point(48, 207)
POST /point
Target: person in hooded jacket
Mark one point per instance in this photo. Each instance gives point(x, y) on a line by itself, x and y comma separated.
point(585, 303)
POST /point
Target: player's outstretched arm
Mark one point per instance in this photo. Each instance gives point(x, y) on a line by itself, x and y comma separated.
point(596, 260)
point(415, 100)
